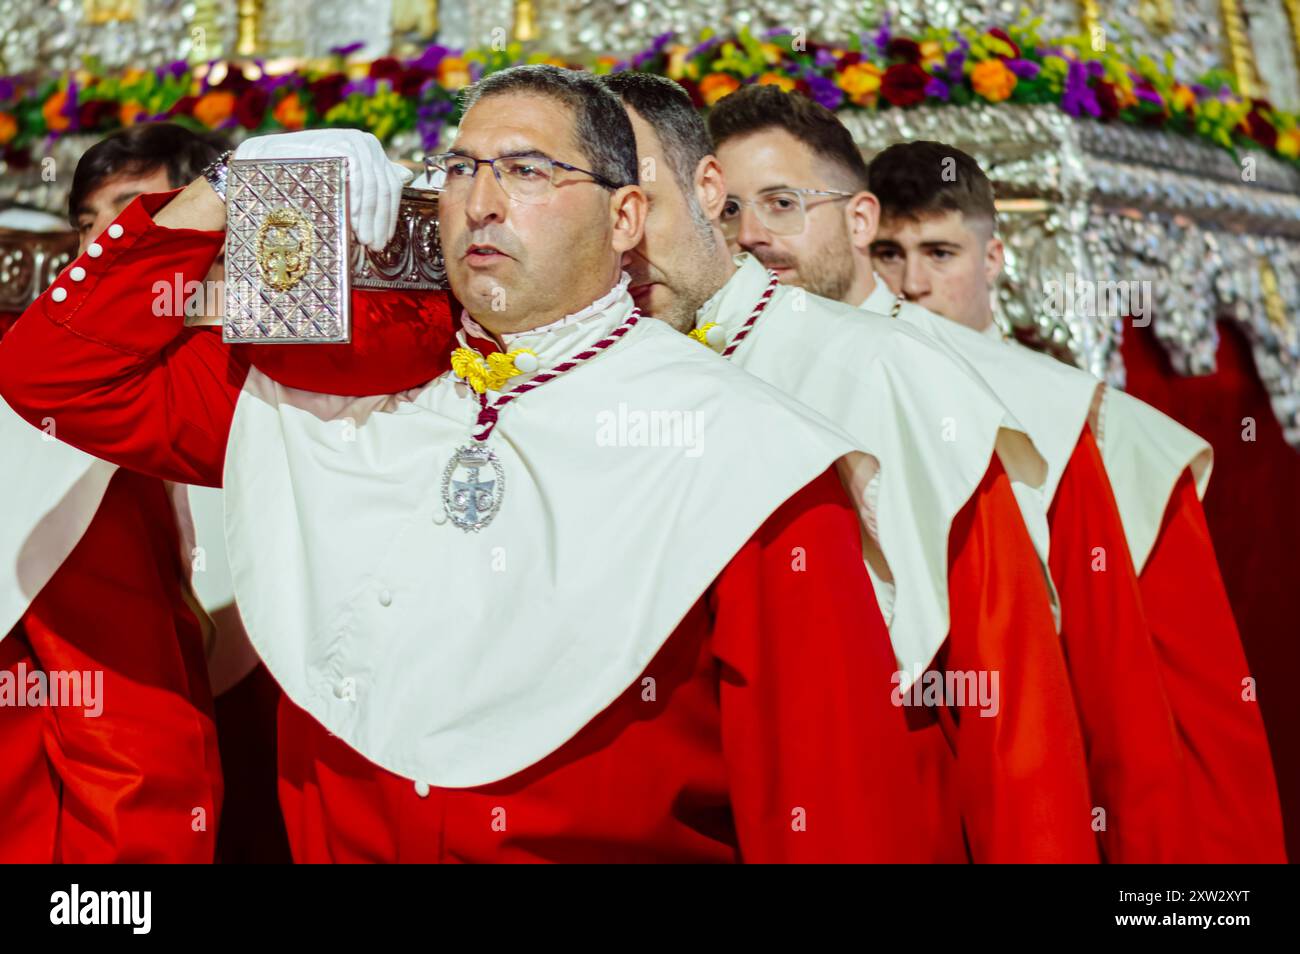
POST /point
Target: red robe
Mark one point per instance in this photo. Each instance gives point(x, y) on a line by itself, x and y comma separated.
point(140, 781)
point(772, 735)
point(1135, 760)
point(1233, 793)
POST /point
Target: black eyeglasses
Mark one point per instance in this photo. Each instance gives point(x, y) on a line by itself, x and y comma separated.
point(528, 178)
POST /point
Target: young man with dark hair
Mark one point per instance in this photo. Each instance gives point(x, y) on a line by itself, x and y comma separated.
point(513, 625)
point(938, 247)
point(96, 587)
point(1135, 758)
point(952, 559)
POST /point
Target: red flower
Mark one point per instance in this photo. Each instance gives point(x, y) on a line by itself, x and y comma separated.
point(408, 83)
point(903, 49)
point(848, 59)
point(1002, 35)
point(184, 106)
point(1107, 100)
point(17, 158)
point(250, 108)
point(1260, 129)
point(234, 81)
point(327, 92)
point(801, 86)
point(95, 112)
point(693, 91)
point(904, 84)
point(386, 67)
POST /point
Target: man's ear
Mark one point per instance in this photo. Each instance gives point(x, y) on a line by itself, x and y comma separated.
point(627, 210)
point(995, 255)
point(862, 216)
point(710, 187)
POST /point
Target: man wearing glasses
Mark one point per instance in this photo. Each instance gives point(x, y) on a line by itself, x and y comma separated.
point(767, 138)
point(517, 619)
point(1004, 777)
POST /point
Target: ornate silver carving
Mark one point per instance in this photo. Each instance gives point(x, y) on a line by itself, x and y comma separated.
point(1082, 200)
point(413, 259)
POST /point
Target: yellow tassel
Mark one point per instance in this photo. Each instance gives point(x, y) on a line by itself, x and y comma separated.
point(701, 334)
point(468, 365)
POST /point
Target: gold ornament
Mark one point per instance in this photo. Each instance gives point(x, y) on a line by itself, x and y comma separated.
point(285, 243)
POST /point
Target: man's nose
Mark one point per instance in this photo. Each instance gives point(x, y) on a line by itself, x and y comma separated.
point(916, 281)
point(487, 198)
point(751, 233)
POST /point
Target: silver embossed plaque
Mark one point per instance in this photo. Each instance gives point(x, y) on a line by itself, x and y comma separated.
point(287, 251)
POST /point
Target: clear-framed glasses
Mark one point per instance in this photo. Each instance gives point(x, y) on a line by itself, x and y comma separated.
point(527, 178)
point(781, 211)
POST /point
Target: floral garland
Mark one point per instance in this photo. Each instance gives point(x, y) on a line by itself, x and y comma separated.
point(874, 69)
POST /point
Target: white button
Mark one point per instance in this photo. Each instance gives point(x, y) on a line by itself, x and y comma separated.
point(340, 690)
point(94, 250)
point(59, 294)
point(422, 789)
point(715, 337)
point(115, 231)
point(385, 598)
point(77, 273)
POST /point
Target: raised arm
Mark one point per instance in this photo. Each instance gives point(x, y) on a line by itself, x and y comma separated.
point(103, 359)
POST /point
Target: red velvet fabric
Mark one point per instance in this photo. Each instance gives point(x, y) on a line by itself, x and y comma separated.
point(1253, 511)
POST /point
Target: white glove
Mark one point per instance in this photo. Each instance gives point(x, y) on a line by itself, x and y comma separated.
point(374, 183)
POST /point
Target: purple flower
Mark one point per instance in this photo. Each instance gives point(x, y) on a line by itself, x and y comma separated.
point(954, 62)
point(70, 107)
point(347, 50)
point(883, 35)
point(937, 89)
point(1077, 98)
point(1146, 92)
point(1200, 91)
point(704, 47)
point(429, 120)
point(645, 56)
point(1096, 69)
point(7, 88)
point(1023, 69)
point(824, 57)
point(428, 60)
point(365, 86)
point(823, 91)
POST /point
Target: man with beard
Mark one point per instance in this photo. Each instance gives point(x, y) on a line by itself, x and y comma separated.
point(506, 637)
point(952, 557)
point(1136, 760)
point(937, 246)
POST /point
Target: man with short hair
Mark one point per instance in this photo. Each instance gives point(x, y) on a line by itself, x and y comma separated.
point(953, 561)
point(95, 594)
point(938, 246)
point(774, 144)
point(516, 621)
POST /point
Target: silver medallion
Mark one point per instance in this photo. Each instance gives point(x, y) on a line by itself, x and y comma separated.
point(471, 501)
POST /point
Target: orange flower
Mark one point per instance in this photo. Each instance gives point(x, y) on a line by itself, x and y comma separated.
point(289, 112)
point(1184, 98)
point(717, 85)
point(776, 79)
point(214, 107)
point(861, 82)
point(1288, 142)
point(771, 53)
point(8, 128)
point(453, 73)
point(993, 80)
point(55, 121)
point(129, 113)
